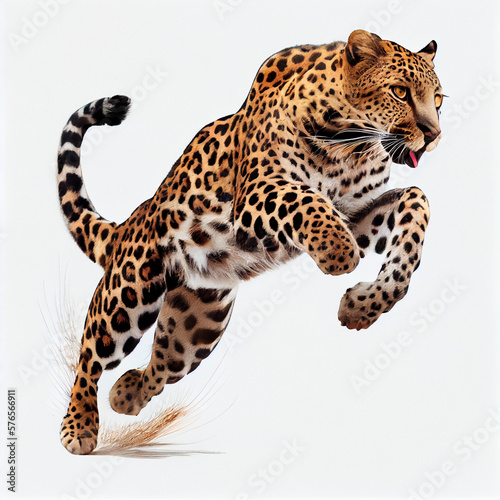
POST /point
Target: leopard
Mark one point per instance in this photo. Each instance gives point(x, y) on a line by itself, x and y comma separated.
point(302, 167)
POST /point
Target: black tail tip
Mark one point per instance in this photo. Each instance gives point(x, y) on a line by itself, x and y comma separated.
point(115, 109)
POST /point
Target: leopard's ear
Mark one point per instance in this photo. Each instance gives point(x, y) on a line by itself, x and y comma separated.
point(363, 46)
point(428, 53)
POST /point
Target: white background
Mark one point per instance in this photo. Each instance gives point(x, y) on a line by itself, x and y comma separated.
point(292, 378)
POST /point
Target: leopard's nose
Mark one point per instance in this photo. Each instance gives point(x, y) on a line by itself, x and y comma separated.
point(430, 132)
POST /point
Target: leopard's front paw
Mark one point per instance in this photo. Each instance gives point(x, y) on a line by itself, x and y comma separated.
point(362, 305)
point(338, 261)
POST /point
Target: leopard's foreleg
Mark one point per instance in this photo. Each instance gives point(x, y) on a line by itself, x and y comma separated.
point(394, 225)
point(296, 216)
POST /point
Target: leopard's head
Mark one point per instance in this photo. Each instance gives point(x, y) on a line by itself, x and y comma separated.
point(396, 92)
point(371, 97)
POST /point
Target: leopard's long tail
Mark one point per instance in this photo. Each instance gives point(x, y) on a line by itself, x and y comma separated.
point(93, 234)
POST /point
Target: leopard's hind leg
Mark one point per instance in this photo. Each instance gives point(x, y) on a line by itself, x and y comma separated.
point(394, 225)
point(125, 304)
point(190, 325)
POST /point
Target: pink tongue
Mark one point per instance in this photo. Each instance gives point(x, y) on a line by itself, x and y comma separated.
point(413, 159)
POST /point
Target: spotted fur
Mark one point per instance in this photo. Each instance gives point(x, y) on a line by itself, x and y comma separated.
point(301, 167)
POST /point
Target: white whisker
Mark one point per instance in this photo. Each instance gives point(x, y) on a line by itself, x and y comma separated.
point(357, 133)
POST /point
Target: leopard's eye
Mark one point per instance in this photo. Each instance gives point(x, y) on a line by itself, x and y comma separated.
point(400, 92)
point(438, 100)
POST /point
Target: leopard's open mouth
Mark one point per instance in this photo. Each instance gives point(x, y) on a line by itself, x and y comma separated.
point(405, 156)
